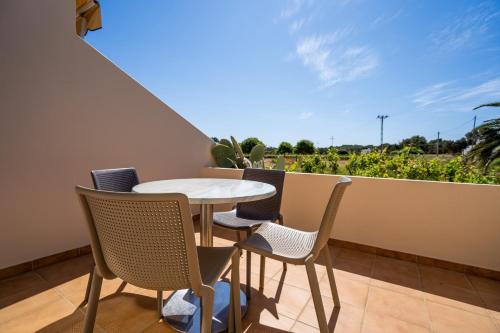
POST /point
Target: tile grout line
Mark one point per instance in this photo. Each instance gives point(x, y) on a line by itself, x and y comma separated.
point(488, 311)
point(60, 294)
point(372, 268)
point(431, 326)
point(308, 300)
point(397, 292)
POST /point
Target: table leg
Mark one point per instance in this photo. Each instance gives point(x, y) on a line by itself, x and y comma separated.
point(206, 223)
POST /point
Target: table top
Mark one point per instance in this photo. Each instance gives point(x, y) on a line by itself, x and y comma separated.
point(210, 190)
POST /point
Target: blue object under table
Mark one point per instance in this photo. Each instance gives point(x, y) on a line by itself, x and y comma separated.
point(182, 310)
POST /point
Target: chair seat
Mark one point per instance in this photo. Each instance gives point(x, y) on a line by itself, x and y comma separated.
point(231, 221)
point(213, 261)
point(280, 242)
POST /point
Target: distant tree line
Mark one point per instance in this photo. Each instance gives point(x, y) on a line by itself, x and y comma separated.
point(418, 144)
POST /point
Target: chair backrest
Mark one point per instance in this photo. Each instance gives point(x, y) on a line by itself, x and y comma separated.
point(145, 239)
point(267, 209)
point(332, 207)
point(115, 180)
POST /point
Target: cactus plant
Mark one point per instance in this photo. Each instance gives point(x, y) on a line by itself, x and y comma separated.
point(257, 153)
point(228, 154)
point(280, 163)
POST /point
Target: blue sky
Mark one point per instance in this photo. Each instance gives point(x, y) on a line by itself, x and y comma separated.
point(287, 70)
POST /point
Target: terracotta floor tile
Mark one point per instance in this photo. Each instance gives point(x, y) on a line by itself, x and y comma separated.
point(397, 275)
point(46, 300)
point(36, 312)
point(352, 269)
point(362, 258)
point(446, 319)
point(70, 324)
point(465, 299)
point(17, 288)
point(492, 303)
point(350, 291)
point(434, 275)
point(297, 276)
point(346, 320)
point(281, 298)
point(485, 285)
point(498, 324)
point(261, 320)
point(303, 328)
point(375, 323)
point(159, 327)
point(126, 312)
point(273, 267)
point(400, 306)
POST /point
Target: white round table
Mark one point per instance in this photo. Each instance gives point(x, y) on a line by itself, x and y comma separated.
point(210, 191)
point(182, 309)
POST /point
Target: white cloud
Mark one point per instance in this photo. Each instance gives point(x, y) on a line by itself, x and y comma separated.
point(306, 115)
point(449, 96)
point(296, 25)
point(466, 30)
point(292, 9)
point(332, 61)
point(384, 19)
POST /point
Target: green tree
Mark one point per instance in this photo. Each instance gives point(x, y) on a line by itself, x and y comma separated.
point(285, 148)
point(304, 147)
point(248, 144)
point(496, 104)
point(487, 146)
point(417, 141)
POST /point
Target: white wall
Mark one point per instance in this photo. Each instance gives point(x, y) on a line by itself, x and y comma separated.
point(64, 110)
point(449, 221)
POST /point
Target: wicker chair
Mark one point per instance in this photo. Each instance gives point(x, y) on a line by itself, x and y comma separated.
point(302, 248)
point(250, 215)
point(115, 180)
point(112, 180)
point(148, 240)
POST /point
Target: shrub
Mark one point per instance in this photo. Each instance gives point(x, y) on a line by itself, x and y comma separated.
point(248, 144)
point(304, 147)
point(285, 148)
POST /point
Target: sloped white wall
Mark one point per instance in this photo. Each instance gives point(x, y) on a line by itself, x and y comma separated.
point(64, 110)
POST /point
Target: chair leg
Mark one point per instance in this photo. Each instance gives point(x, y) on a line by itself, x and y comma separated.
point(316, 295)
point(249, 275)
point(89, 284)
point(249, 269)
point(262, 272)
point(235, 307)
point(207, 306)
point(281, 222)
point(159, 299)
point(93, 302)
point(331, 277)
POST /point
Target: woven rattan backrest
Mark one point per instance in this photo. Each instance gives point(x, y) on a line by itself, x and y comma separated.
point(331, 210)
point(267, 209)
point(145, 239)
point(115, 180)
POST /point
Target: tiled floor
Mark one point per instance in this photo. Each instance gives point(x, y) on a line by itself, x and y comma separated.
point(378, 294)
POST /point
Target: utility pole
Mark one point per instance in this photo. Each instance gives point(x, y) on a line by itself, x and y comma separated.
point(331, 138)
point(382, 117)
point(474, 126)
point(437, 145)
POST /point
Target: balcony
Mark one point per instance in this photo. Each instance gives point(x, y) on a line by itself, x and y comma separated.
point(409, 256)
point(378, 294)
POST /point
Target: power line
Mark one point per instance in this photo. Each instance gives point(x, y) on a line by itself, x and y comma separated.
point(457, 127)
